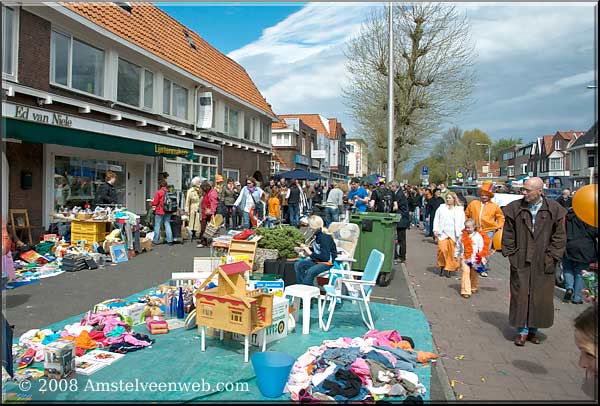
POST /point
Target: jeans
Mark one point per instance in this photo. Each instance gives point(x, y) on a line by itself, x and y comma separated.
point(246, 220)
point(490, 235)
point(331, 214)
point(526, 330)
point(416, 220)
point(294, 209)
point(231, 218)
point(573, 279)
point(307, 269)
point(158, 220)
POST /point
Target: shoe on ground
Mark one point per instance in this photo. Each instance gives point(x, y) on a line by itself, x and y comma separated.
point(200, 246)
point(577, 302)
point(568, 295)
point(484, 274)
point(520, 340)
point(533, 338)
point(441, 272)
point(169, 244)
point(473, 291)
point(448, 274)
point(465, 296)
point(396, 261)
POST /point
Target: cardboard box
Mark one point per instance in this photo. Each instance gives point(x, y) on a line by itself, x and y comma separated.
point(277, 330)
point(133, 313)
point(204, 266)
point(276, 287)
point(145, 244)
point(59, 359)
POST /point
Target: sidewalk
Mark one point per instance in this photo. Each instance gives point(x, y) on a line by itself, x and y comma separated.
point(475, 341)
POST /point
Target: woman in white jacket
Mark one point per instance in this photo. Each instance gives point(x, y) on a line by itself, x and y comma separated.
point(447, 227)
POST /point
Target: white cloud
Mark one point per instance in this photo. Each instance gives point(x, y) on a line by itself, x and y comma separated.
point(502, 31)
point(306, 65)
point(299, 66)
point(578, 80)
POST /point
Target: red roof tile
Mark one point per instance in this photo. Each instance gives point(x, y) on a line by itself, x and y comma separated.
point(279, 125)
point(311, 120)
point(154, 30)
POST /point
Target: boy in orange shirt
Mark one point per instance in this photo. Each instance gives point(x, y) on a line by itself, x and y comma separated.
point(274, 212)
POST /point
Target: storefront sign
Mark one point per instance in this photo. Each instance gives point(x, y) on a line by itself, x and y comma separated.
point(162, 150)
point(44, 117)
point(301, 159)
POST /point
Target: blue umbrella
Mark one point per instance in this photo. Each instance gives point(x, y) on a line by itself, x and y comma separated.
point(299, 174)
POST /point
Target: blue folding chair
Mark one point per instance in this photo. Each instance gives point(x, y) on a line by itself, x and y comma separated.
point(358, 290)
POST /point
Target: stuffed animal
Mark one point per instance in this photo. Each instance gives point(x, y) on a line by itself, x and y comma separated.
point(114, 236)
point(153, 307)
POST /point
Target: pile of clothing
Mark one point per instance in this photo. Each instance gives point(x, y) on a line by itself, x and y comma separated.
point(104, 330)
point(368, 368)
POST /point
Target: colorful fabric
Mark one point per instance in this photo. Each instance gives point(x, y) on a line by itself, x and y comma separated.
point(84, 341)
point(445, 255)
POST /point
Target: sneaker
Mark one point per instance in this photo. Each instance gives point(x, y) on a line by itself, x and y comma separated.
point(484, 274)
point(568, 295)
point(169, 244)
point(200, 246)
point(577, 302)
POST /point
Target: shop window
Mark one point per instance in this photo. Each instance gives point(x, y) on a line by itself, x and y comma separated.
point(10, 38)
point(204, 166)
point(231, 174)
point(134, 85)
point(76, 180)
point(175, 99)
point(76, 64)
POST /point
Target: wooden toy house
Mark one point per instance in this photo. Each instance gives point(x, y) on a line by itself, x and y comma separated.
point(230, 306)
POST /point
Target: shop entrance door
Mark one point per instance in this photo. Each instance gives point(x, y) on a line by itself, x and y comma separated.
point(136, 188)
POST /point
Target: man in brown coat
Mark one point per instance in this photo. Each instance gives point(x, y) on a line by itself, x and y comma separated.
point(534, 240)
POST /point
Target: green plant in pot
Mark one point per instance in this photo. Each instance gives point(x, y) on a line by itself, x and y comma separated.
point(283, 239)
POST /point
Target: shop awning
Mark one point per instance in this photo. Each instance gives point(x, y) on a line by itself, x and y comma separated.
point(48, 134)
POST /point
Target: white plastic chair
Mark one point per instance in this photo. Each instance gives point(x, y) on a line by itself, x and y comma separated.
point(359, 290)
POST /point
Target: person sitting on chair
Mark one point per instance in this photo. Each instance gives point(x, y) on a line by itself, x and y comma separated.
point(319, 256)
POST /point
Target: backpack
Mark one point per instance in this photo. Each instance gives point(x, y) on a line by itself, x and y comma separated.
point(170, 202)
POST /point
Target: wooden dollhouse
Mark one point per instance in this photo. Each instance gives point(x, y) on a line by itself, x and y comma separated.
point(231, 307)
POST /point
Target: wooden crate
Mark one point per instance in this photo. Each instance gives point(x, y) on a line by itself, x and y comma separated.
point(242, 247)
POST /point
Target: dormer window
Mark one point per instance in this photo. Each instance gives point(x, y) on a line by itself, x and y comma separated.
point(557, 145)
point(189, 39)
point(125, 6)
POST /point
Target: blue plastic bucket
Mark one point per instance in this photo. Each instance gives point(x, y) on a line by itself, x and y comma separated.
point(272, 370)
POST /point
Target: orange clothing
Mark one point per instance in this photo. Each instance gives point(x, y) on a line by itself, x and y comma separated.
point(5, 238)
point(488, 217)
point(274, 210)
point(424, 356)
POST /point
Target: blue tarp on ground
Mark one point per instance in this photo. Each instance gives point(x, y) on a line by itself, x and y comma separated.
point(189, 375)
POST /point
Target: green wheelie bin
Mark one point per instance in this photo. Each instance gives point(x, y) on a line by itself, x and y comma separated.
point(377, 231)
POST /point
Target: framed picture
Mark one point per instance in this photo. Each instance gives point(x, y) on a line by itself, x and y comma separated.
point(118, 253)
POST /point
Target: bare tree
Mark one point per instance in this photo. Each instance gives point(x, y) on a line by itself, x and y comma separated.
point(433, 73)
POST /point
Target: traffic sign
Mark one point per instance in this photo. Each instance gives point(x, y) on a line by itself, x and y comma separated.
point(459, 175)
point(425, 170)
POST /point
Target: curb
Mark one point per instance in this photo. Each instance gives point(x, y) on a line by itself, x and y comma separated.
point(440, 370)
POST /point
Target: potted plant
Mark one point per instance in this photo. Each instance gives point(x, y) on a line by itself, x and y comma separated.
point(283, 239)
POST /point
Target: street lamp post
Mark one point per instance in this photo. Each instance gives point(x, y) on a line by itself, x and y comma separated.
point(489, 155)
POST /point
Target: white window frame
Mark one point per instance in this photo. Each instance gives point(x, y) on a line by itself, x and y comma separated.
point(162, 97)
point(283, 140)
point(142, 80)
point(12, 76)
point(265, 133)
point(557, 145)
point(69, 85)
point(523, 168)
point(227, 124)
point(303, 146)
point(227, 173)
point(251, 124)
point(551, 167)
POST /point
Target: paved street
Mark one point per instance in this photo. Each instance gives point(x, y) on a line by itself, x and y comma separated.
point(472, 336)
point(475, 341)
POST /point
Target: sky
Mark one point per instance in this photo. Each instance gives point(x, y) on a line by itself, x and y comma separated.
point(533, 65)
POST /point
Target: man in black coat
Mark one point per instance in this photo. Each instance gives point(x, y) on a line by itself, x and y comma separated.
point(580, 252)
point(432, 205)
point(565, 199)
point(400, 206)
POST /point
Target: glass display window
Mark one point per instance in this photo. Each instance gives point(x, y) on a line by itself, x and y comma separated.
point(76, 180)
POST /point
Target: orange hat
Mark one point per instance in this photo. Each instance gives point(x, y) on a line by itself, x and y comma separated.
point(486, 188)
point(218, 178)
